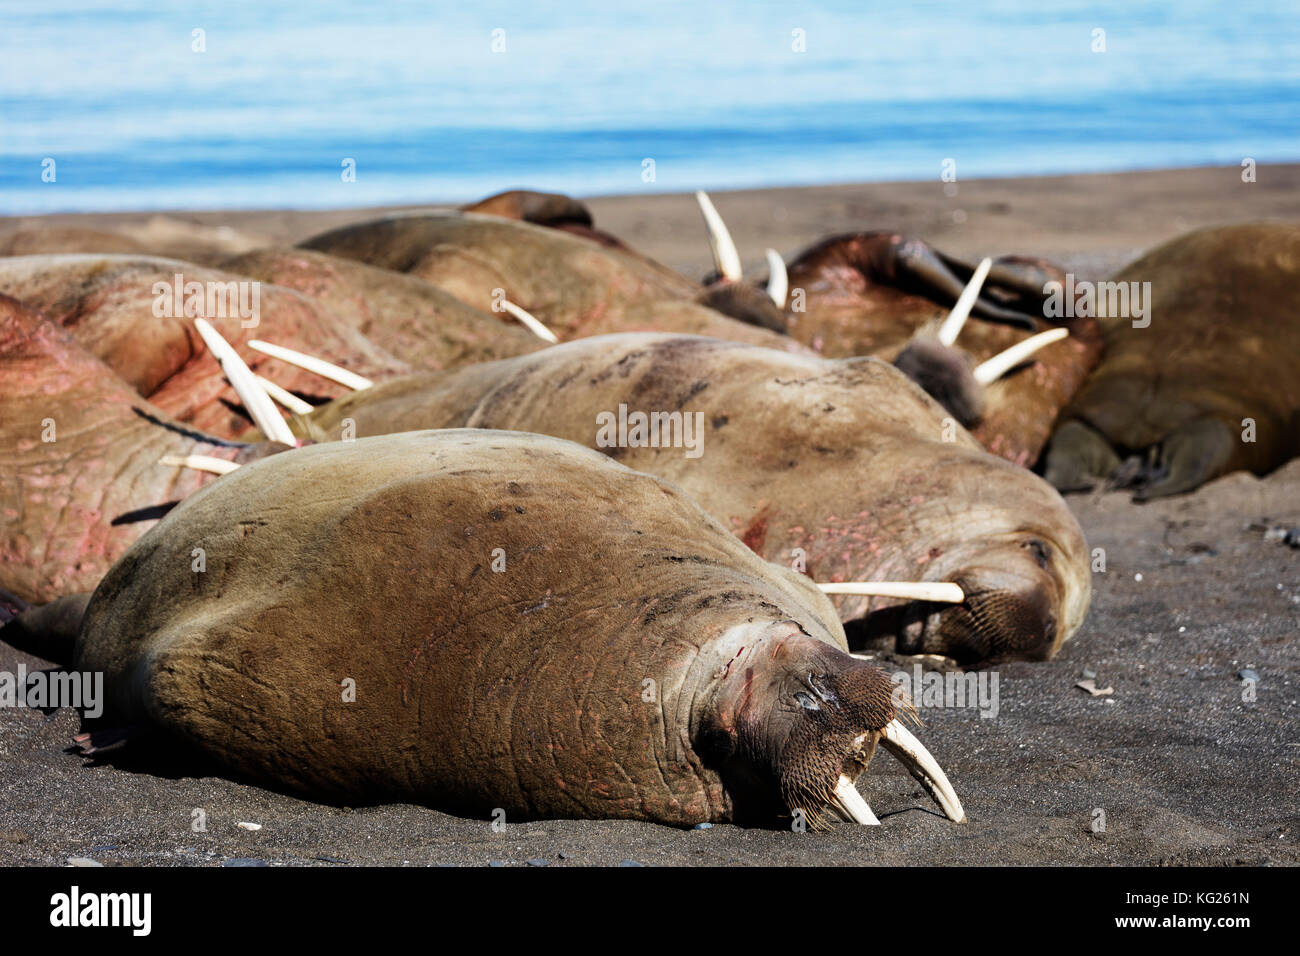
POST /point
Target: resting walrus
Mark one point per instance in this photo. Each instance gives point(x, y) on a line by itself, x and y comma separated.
point(842, 465)
point(1206, 383)
point(620, 655)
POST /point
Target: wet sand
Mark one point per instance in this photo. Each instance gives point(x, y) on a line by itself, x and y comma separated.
point(1182, 768)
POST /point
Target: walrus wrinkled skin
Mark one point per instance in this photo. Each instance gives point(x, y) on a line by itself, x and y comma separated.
point(402, 314)
point(845, 460)
point(632, 660)
point(107, 303)
point(1174, 398)
point(79, 450)
point(576, 287)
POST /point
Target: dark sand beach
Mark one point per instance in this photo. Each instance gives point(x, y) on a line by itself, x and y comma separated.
point(1177, 763)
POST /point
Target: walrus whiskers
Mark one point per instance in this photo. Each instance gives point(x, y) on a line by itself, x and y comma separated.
point(312, 364)
point(725, 256)
point(530, 322)
point(994, 368)
point(952, 325)
point(218, 466)
point(258, 404)
point(778, 279)
point(942, 591)
point(284, 396)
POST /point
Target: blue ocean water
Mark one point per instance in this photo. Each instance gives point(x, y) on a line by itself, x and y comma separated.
point(578, 95)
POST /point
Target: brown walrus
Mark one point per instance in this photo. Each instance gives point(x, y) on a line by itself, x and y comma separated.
point(841, 465)
point(477, 620)
point(1206, 383)
point(402, 314)
point(111, 304)
point(575, 287)
point(79, 453)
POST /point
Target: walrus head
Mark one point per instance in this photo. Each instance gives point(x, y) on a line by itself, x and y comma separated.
point(797, 722)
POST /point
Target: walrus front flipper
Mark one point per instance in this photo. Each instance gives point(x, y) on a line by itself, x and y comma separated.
point(1079, 458)
point(49, 631)
point(1190, 456)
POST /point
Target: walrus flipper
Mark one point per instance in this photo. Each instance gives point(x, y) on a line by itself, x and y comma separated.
point(1079, 458)
point(930, 270)
point(49, 631)
point(1190, 455)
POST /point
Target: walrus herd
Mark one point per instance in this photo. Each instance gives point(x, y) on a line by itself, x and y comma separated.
point(545, 527)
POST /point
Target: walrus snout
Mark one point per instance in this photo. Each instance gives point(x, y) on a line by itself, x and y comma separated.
point(1010, 611)
point(946, 374)
point(802, 722)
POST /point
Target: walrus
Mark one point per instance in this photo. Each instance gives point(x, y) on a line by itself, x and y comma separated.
point(883, 294)
point(111, 304)
point(524, 625)
point(842, 466)
point(402, 314)
point(1205, 383)
point(80, 478)
point(575, 287)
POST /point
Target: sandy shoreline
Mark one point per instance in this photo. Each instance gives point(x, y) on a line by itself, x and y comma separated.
point(1183, 769)
point(1091, 223)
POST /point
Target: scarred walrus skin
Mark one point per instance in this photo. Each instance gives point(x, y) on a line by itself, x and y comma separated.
point(632, 659)
point(844, 459)
point(107, 303)
point(575, 287)
point(402, 314)
point(79, 451)
point(1222, 346)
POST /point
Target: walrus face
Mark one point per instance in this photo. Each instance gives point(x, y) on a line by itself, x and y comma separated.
point(800, 720)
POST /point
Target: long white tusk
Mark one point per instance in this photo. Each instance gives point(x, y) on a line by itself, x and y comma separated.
point(849, 803)
point(533, 324)
point(725, 256)
point(778, 280)
point(951, 327)
point(912, 590)
point(913, 755)
point(218, 466)
point(258, 404)
point(312, 364)
point(285, 397)
point(988, 372)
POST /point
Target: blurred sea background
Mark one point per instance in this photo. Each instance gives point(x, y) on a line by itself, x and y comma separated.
point(717, 94)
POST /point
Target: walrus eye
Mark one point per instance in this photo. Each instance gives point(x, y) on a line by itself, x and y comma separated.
point(806, 701)
point(1042, 551)
point(818, 684)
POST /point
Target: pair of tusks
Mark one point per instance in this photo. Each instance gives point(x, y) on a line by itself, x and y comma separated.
point(911, 753)
point(988, 372)
point(727, 260)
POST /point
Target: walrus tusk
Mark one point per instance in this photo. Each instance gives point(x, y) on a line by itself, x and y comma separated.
point(285, 397)
point(915, 590)
point(258, 404)
point(990, 371)
point(910, 752)
point(725, 256)
point(218, 466)
point(778, 280)
point(951, 327)
point(848, 803)
point(533, 324)
point(312, 364)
